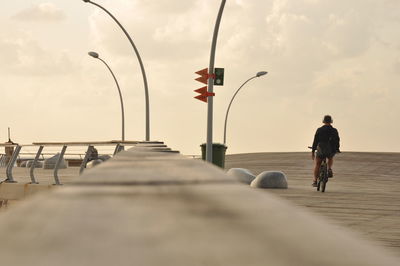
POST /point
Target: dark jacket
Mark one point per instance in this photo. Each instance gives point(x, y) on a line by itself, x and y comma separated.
point(327, 134)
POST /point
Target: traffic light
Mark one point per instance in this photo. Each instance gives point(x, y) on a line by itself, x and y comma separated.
point(219, 76)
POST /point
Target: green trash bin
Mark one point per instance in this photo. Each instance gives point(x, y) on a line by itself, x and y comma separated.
point(218, 153)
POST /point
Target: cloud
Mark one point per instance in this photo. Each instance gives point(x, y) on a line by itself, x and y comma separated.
point(339, 57)
point(167, 28)
point(44, 12)
point(22, 55)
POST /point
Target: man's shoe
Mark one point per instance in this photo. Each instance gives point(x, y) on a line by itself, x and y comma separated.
point(330, 173)
point(314, 184)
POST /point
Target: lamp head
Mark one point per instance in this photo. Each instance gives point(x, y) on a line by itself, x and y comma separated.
point(86, 1)
point(261, 73)
point(94, 54)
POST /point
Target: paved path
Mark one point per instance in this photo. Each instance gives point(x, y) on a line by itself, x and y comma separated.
point(364, 194)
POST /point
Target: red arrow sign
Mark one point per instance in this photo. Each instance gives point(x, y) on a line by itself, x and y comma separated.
point(203, 79)
point(204, 76)
point(203, 72)
point(204, 94)
point(202, 90)
point(201, 98)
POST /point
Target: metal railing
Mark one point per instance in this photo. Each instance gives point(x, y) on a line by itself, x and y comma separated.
point(10, 161)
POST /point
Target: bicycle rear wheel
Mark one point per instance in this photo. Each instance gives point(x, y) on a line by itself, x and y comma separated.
point(323, 176)
point(323, 186)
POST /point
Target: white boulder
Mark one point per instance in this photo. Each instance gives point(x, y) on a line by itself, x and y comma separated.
point(242, 175)
point(270, 179)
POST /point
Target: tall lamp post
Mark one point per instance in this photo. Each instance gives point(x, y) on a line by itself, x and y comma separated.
point(259, 74)
point(210, 89)
point(96, 56)
point(146, 90)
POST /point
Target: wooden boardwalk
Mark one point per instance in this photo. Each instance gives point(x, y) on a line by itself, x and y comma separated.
point(364, 194)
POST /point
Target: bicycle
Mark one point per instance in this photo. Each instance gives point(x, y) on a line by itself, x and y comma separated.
point(323, 175)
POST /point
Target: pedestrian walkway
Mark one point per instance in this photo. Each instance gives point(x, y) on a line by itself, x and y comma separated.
point(364, 194)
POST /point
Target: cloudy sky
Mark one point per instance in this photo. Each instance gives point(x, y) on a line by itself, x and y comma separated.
point(337, 57)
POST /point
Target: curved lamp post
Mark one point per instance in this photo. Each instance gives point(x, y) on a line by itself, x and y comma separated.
point(259, 74)
point(210, 87)
point(146, 90)
point(96, 55)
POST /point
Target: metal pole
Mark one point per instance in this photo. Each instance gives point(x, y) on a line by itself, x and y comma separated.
point(118, 148)
point(56, 179)
point(146, 90)
point(2, 160)
point(10, 165)
point(229, 106)
point(211, 85)
point(120, 98)
point(86, 159)
point(33, 166)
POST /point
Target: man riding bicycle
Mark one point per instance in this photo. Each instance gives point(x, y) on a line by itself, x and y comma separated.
point(326, 143)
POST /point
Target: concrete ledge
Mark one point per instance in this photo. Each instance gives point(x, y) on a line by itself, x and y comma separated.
point(138, 167)
point(12, 191)
point(18, 191)
point(143, 208)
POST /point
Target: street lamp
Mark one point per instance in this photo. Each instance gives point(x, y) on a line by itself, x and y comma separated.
point(210, 88)
point(259, 74)
point(146, 90)
point(96, 56)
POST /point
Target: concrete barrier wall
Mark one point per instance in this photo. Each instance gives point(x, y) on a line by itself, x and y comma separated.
point(153, 208)
point(19, 191)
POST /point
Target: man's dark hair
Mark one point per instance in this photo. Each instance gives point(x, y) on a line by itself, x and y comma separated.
point(327, 119)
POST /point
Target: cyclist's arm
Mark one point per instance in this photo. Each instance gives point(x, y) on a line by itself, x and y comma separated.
point(338, 141)
point(315, 142)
